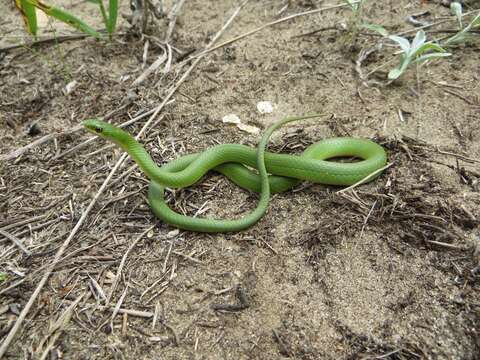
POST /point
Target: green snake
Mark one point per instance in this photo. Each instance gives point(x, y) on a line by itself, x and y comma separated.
point(276, 172)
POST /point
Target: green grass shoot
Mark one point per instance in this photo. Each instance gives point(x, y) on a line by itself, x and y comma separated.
point(464, 34)
point(28, 10)
point(29, 15)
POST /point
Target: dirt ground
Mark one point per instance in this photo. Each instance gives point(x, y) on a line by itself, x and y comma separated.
point(387, 270)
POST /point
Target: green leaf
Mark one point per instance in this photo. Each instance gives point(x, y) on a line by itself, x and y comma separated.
point(353, 5)
point(112, 15)
point(404, 44)
point(65, 17)
point(418, 40)
point(3, 276)
point(377, 28)
point(400, 69)
point(395, 73)
point(431, 56)
point(29, 15)
point(429, 47)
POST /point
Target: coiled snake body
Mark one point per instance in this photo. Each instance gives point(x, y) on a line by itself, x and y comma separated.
point(276, 172)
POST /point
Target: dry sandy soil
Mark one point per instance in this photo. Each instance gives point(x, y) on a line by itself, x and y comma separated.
point(388, 270)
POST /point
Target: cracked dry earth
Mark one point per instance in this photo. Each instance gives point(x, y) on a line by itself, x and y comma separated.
point(388, 270)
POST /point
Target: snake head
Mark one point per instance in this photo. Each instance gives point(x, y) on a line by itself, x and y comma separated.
point(108, 132)
point(96, 126)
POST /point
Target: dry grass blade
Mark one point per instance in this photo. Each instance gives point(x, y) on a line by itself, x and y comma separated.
point(173, 19)
point(57, 328)
point(153, 67)
point(369, 176)
point(16, 241)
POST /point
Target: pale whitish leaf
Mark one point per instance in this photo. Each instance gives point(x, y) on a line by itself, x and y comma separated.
point(231, 119)
point(431, 56)
point(400, 69)
point(457, 10)
point(419, 40)
point(378, 28)
point(395, 73)
point(404, 44)
point(249, 128)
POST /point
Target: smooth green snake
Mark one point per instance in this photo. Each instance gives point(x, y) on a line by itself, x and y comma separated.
point(276, 172)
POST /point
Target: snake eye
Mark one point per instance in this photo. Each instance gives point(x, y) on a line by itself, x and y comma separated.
point(98, 129)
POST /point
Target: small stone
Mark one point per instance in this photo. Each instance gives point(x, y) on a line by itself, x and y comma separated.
point(264, 107)
point(231, 119)
point(70, 87)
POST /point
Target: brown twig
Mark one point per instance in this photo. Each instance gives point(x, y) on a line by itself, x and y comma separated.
point(53, 39)
point(172, 16)
point(16, 241)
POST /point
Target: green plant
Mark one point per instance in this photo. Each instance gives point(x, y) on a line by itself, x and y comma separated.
point(28, 10)
point(377, 28)
point(3, 276)
point(419, 51)
point(356, 6)
point(464, 34)
point(110, 21)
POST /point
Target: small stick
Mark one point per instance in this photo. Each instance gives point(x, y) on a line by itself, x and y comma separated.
point(20, 151)
point(167, 257)
point(131, 312)
point(16, 241)
point(58, 327)
point(155, 315)
point(173, 19)
point(122, 263)
point(54, 39)
point(468, 101)
point(446, 245)
point(118, 305)
point(365, 178)
point(464, 158)
point(188, 257)
point(23, 222)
